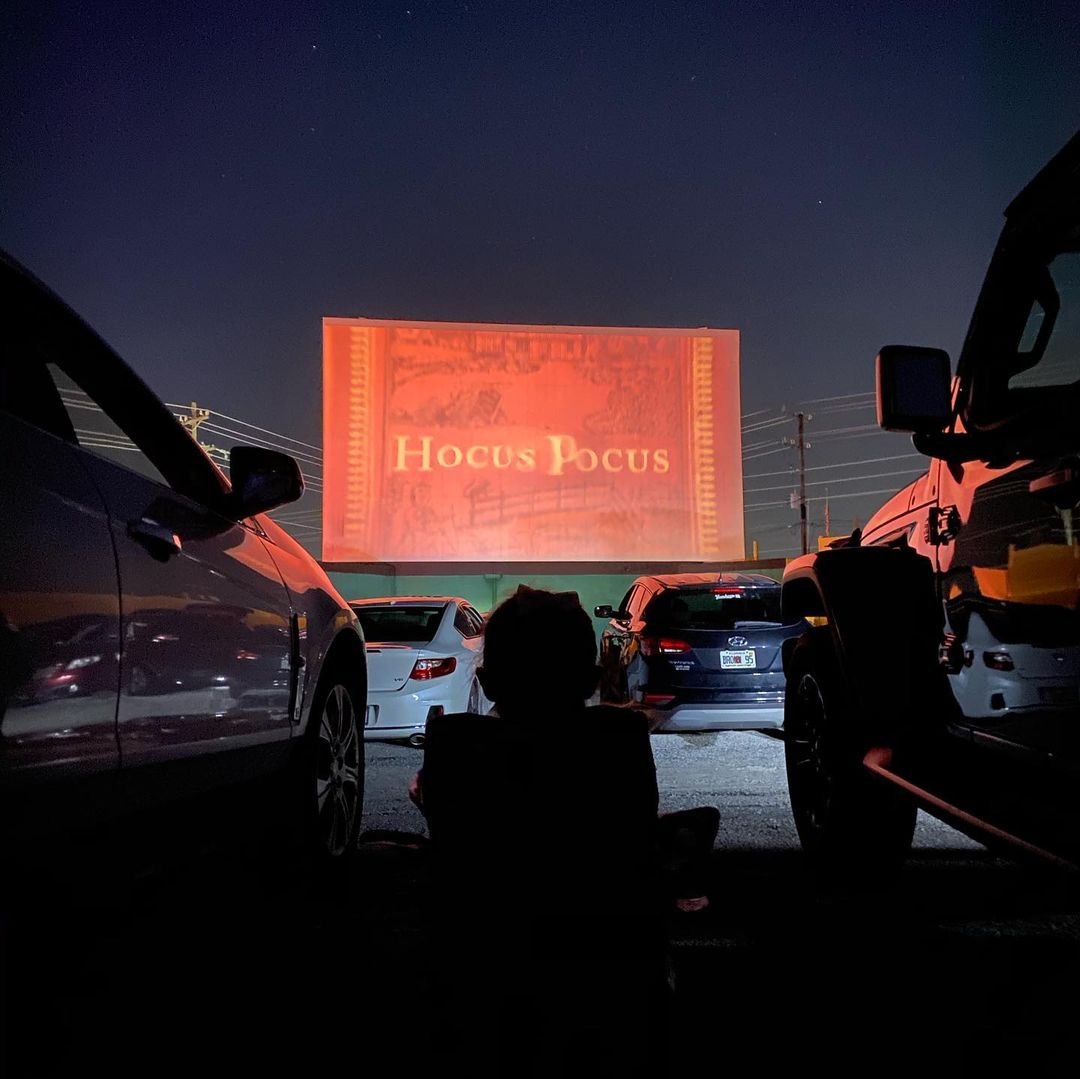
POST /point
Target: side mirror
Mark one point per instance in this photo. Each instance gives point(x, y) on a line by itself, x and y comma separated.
point(605, 610)
point(913, 389)
point(262, 480)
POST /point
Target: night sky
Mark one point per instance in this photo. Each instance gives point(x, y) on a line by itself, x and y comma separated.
point(204, 182)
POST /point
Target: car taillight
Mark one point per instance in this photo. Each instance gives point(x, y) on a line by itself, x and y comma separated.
point(662, 646)
point(657, 700)
point(998, 661)
point(433, 668)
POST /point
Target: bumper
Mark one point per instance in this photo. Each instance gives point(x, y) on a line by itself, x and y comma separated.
point(393, 717)
point(716, 717)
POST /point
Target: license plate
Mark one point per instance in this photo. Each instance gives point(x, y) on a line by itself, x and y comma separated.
point(738, 661)
point(370, 715)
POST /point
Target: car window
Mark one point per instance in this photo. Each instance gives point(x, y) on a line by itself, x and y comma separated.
point(397, 625)
point(639, 600)
point(713, 608)
point(464, 624)
point(27, 391)
point(624, 604)
point(1049, 350)
point(104, 406)
point(96, 432)
point(477, 621)
point(633, 601)
point(1022, 359)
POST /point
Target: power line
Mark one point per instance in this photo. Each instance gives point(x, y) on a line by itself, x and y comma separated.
point(842, 464)
point(840, 397)
point(822, 498)
point(255, 427)
point(830, 433)
point(762, 425)
point(765, 453)
point(88, 443)
point(253, 439)
point(826, 483)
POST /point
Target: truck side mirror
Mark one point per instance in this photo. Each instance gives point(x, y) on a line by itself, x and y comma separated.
point(913, 389)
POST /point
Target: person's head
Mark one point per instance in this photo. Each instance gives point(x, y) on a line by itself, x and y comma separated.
point(539, 651)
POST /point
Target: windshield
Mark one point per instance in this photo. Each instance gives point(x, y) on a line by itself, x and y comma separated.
point(1025, 359)
point(709, 608)
point(390, 625)
point(1049, 350)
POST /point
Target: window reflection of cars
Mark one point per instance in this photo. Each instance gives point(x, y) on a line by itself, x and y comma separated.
point(73, 656)
point(150, 612)
point(211, 643)
point(1006, 680)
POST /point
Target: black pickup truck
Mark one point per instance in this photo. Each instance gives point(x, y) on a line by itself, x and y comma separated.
point(943, 671)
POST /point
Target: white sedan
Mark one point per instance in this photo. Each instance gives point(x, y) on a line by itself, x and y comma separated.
point(422, 656)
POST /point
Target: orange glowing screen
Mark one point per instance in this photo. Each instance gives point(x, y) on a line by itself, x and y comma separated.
point(455, 442)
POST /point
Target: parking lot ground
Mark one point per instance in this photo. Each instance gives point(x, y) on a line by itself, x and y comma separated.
point(218, 963)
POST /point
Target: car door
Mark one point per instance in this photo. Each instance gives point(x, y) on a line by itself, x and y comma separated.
point(59, 596)
point(613, 641)
point(205, 616)
point(471, 627)
point(905, 520)
point(1010, 561)
point(633, 672)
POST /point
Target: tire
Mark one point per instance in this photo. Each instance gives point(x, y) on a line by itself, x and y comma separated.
point(473, 704)
point(850, 822)
point(330, 779)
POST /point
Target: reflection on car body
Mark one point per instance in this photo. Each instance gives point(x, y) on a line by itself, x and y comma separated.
point(159, 634)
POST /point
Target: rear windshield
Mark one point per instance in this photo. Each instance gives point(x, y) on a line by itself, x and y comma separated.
point(393, 624)
point(709, 609)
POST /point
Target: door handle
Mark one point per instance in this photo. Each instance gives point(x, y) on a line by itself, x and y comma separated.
point(162, 542)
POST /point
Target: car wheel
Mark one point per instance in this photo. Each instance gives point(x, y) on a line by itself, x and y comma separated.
point(848, 820)
point(332, 780)
point(474, 697)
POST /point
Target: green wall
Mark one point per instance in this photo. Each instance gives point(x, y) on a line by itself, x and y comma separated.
point(485, 591)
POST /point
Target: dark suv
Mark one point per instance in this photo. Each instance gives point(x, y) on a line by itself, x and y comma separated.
point(160, 636)
point(698, 651)
point(948, 674)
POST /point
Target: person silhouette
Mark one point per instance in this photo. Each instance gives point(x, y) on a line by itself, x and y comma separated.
point(550, 863)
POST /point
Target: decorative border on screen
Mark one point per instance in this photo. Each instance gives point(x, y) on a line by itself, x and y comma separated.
point(358, 454)
point(703, 447)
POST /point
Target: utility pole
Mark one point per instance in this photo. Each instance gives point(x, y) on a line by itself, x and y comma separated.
point(828, 519)
point(194, 420)
point(191, 423)
point(798, 498)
